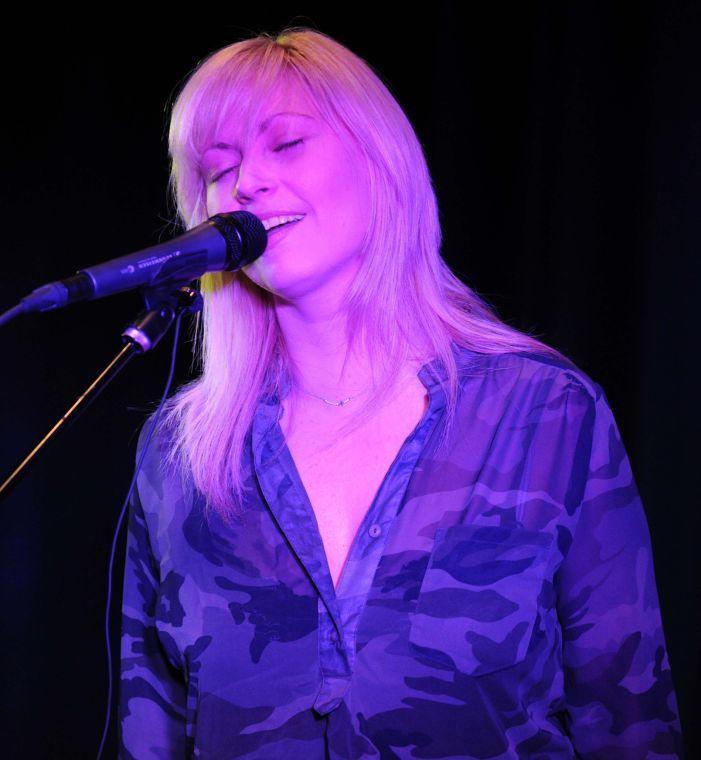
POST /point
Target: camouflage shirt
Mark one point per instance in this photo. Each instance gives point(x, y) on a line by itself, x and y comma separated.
point(498, 601)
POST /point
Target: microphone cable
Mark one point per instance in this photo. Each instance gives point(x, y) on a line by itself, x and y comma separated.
point(117, 531)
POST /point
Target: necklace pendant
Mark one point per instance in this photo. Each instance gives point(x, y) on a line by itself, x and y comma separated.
point(337, 403)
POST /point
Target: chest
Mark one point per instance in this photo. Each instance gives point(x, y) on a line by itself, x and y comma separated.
point(342, 476)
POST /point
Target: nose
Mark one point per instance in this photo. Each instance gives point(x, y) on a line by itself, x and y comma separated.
point(252, 181)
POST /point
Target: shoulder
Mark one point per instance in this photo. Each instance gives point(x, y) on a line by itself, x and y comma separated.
point(532, 369)
point(160, 478)
point(153, 440)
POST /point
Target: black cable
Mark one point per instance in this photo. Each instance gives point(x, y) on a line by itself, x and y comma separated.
point(120, 520)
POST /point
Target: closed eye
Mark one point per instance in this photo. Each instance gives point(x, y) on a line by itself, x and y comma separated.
point(284, 146)
point(287, 145)
point(217, 177)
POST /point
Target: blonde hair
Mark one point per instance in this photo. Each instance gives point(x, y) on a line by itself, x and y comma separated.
point(405, 302)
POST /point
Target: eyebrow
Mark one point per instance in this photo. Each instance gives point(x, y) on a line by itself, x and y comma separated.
point(264, 125)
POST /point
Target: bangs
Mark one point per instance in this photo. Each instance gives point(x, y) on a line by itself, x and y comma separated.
point(231, 91)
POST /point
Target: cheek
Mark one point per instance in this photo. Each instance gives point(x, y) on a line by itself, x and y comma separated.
point(346, 192)
point(213, 201)
point(219, 198)
point(353, 201)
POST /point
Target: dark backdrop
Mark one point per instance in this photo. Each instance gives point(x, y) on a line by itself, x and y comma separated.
point(563, 139)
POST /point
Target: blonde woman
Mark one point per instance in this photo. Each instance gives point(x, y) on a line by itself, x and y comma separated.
point(380, 522)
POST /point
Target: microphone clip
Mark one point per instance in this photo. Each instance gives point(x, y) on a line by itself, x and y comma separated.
point(163, 305)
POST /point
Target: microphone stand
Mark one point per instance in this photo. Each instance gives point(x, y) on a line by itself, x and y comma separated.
point(163, 306)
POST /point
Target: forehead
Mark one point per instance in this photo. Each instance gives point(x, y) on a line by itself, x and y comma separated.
point(237, 127)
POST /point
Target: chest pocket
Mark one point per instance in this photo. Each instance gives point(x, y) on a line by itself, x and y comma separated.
point(478, 601)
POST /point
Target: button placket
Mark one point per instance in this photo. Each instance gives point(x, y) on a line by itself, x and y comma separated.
point(335, 665)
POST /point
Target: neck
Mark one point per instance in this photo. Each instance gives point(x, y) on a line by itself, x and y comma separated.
point(314, 331)
point(315, 338)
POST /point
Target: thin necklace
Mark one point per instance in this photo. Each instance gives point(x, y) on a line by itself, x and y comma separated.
point(342, 402)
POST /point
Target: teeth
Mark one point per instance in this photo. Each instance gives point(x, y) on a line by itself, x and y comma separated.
point(275, 221)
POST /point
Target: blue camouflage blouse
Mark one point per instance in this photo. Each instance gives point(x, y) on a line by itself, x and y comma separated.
point(499, 601)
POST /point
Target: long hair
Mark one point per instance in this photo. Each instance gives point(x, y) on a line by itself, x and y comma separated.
point(404, 304)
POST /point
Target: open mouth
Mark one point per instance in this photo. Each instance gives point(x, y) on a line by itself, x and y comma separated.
point(278, 227)
point(278, 222)
point(279, 231)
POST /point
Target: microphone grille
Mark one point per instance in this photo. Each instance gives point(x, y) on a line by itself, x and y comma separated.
point(245, 236)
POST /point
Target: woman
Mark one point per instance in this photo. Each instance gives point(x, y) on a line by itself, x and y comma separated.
point(381, 523)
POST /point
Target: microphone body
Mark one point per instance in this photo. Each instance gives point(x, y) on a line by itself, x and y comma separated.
point(225, 242)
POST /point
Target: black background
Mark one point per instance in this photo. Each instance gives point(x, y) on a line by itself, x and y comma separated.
point(563, 140)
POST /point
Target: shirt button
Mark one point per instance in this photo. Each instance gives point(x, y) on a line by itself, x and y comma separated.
point(375, 530)
point(333, 636)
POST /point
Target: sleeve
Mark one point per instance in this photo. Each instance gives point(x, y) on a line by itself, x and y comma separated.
point(152, 692)
point(620, 700)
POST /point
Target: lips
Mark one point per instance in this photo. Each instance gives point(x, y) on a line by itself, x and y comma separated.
point(276, 219)
point(280, 226)
point(280, 230)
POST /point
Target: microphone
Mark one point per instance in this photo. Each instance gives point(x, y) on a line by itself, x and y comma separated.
point(225, 242)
